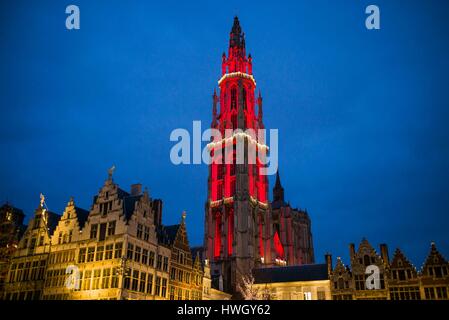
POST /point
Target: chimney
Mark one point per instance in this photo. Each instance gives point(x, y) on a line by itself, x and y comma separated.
point(384, 253)
point(328, 258)
point(136, 189)
point(157, 210)
point(351, 251)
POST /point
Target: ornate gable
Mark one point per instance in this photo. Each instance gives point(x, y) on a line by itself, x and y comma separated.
point(366, 255)
point(435, 265)
point(70, 224)
point(401, 268)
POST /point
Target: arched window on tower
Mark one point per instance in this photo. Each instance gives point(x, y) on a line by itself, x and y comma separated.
point(233, 98)
point(234, 120)
point(244, 99)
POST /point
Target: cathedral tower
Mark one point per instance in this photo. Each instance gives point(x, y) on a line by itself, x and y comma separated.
point(237, 237)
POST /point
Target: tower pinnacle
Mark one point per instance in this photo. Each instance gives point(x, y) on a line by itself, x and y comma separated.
point(237, 38)
point(278, 190)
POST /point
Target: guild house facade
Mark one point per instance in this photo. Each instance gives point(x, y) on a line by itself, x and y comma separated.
point(399, 278)
point(117, 250)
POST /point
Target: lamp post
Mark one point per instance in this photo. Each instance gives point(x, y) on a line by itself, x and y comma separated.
point(123, 271)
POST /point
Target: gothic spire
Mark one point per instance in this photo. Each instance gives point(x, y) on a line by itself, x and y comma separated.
point(237, 38)
point(278, 190)
point(278, 180)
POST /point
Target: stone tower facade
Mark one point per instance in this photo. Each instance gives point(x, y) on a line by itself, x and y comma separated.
point(237, 209)
point(241, 230)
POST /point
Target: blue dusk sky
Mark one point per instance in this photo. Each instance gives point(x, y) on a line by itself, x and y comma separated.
point(362, 115)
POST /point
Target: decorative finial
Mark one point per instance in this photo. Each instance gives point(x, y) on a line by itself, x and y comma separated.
point(111, 171)
point(42, 200)
point(184, 215)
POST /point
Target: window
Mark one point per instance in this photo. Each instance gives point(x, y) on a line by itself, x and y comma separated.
point(127, 281)
point(165, 264)
point(37, 221)
point(220, 171)
point(80, 282)
point(114, 279)
point(111, 228)
point(234, 120)
point(118, 250)
point(82, 255)
point(144, 256)
point(87, 280)
point(233, 184)
point(219, 191)
point(41, 240)
point(158, 286)
point(307, 295)
point(321, 295)
point(172, 293)
point(103, 227)
point(233, 98)
point(441, 292)
point(135, 280)
point(99, 255)
point(181, 258)
point(105, 281)
point(164, 288)
point(93, 231)
point(96, 280)
point(143, 280)
point(151, 260)
point(32, 243)
point(173, 274)
point(70, 235)
point(139, 231)
point(340, 283)
point(159, 262)
point(360, 283)
point(366, 260)
point(129, 251)
point(109, 249)
point(430, 293)
point(137, 254)
point(150, 284)
point(244, 98)
point(146, 236)
point(90, 254)
point(60, 238)
point(179, 294)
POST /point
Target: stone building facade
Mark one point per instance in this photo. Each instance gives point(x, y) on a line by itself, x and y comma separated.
point(11, 230)
point(117, 250)
point(398, 279)
point(243, 230)
point(302, 282)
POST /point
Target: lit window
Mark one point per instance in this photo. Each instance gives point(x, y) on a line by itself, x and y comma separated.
point(93, 231)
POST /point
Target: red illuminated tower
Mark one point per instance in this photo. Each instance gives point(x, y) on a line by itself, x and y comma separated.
point(237, 227)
